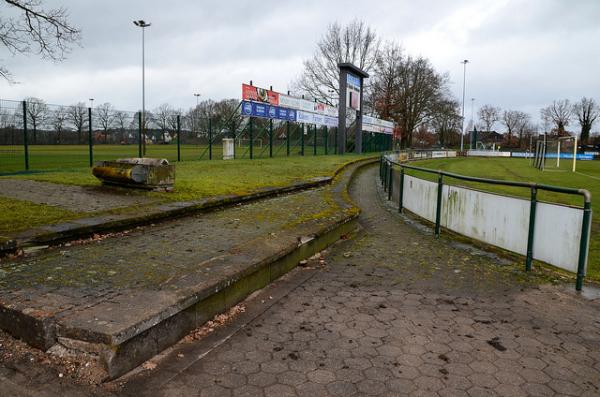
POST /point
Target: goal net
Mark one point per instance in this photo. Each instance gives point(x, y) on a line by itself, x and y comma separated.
point(555, 154)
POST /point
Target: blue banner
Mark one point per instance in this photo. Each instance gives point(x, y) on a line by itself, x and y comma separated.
point(267, 111)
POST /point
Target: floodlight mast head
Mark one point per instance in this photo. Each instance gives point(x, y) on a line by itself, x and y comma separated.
point(141, 23)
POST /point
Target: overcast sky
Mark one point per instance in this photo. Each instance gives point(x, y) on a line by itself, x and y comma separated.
point(522, 53)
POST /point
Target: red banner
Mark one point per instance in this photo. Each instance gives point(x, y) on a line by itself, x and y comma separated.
point(251, 93)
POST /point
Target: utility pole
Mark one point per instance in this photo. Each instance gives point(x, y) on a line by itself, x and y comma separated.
point(462, 130)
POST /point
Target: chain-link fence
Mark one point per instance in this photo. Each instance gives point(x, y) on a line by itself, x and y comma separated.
point(39, 136)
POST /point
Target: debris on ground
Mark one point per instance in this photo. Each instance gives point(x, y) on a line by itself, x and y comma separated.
point(218, 321)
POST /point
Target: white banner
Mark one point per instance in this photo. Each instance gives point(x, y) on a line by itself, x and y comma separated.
point(287, 101)
point(314, 118)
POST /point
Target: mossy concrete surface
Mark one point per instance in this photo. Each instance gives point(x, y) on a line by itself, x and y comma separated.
point(126, 298)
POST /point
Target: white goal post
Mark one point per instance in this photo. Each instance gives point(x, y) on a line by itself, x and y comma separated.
point(550, 149)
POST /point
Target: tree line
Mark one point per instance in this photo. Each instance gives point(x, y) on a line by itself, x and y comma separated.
point(409, 91)
point(52, 124)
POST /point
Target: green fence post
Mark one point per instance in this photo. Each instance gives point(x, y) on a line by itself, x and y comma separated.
point(315, 140)
point(251, 135)
point(390, 182)
point(380, 168)
point(210, 138)
point(25, 138)
point(287, 137)
point(270, 137)
point(584, 244)
point(401, 190)
point(438, 209)
point(335, 147)
point(140, 134)
point(90, 137)
point(232, 136)
point(302, 140)
point(326, 138)
point(531, 232)
point(178, 138)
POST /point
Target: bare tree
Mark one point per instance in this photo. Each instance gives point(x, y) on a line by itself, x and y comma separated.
point(34, 29)
point(559, 113)
point(512, 120)
point(121, 122)
point(162, 117)
point(58, 119)
point(78, 116)
point(417, 89)
point(489, 115)
point(105, 114)
point(446, 120)
point(355, 43)
point(36, 112)
point(382, 91)
point(587, 111)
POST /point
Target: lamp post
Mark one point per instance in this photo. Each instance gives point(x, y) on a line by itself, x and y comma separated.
point(143, 24)
point(92, 103)
point(462, 130)
point(197, 99)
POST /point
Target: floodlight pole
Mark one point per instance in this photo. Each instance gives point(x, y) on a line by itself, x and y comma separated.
point(143, 24)
point(462, 130)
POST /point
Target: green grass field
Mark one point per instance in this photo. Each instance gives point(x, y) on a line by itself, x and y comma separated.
point(194, 180)
point(62, 157)
point(586, 177)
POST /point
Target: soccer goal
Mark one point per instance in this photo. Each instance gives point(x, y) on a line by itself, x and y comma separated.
point(550, 151)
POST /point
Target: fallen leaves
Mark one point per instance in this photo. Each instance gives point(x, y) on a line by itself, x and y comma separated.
point(218, 321)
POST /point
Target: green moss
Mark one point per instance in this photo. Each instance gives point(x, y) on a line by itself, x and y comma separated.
point(18, 215)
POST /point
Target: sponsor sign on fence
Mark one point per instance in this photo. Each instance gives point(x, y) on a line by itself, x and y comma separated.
point(267, 111)
point(251, 93)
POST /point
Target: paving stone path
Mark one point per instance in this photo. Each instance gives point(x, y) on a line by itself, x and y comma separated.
point(73, 198)
point(396, 312)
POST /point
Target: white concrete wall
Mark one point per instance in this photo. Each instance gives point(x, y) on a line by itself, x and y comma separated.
point(498, 220)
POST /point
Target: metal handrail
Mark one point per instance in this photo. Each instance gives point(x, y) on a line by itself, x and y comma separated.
point(385, 174)
point(539, 186)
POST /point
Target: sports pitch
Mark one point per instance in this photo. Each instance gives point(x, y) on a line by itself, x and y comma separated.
point(587, 176)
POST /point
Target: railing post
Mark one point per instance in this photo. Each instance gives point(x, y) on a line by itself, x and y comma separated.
point(390, 182)
point(438, 209)
point(270, 137)
point(210, 138)
point(315, 140)
point(90, 137)
point(25, 138)
point(287, 137)
point(401, 189)
point(302, 140)
point(140, 134)
point(178, 137)
point(584, 244)
point(531, 232)
point(251, 135)
point(380, 168)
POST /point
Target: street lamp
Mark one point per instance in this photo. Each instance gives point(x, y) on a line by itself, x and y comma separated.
point(197, 99)
point(143, 24)
point(92, 102)
point(462, 131)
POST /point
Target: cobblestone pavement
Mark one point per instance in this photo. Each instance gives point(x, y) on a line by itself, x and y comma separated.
point(72, 198)
point(396, 312)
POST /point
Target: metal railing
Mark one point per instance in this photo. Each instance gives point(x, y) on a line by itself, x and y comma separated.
point(386, 171)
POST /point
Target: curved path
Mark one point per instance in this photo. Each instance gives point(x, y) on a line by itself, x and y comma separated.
point(396, 312)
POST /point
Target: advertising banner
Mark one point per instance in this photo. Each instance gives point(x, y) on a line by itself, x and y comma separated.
point(267, 111)
point(315, 118)
point(251, 93)
point(373, 124)
point(353, 91)
point(306, 105)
